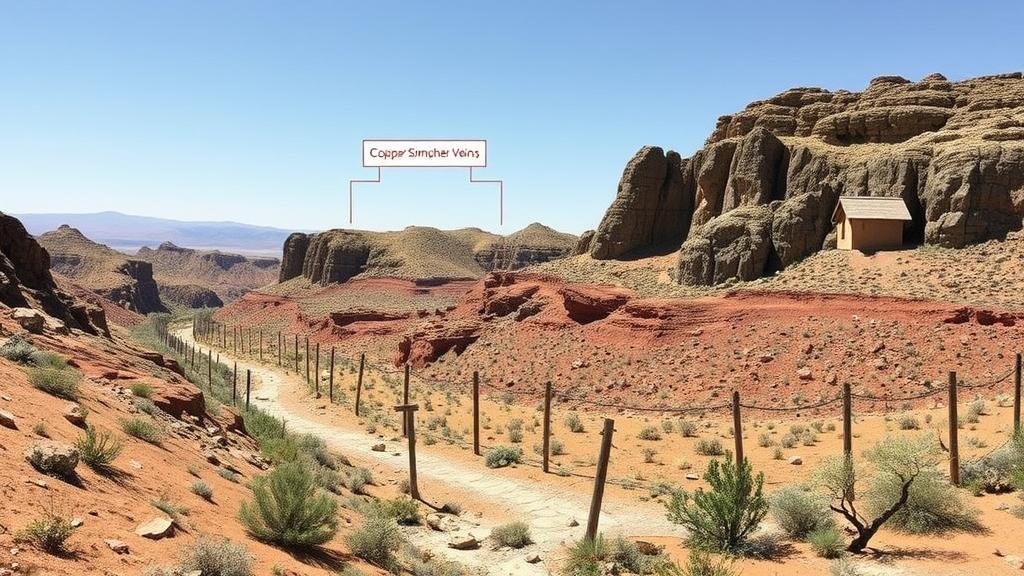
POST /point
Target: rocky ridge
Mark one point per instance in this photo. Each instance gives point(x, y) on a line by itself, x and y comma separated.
point(759, 195)
point(419, 253)
point(200, 278)
point(125, 281)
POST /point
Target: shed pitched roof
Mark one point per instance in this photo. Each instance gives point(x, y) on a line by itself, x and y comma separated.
point(872, 208)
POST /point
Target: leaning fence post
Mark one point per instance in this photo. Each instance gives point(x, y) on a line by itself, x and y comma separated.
point(599, 478)
point(847, 421)
point(316, 371)
point(409, 422)
point(330, 380)
point(359, 381)
point(1016, 395)
point(476, 412)
point(547, 425)
point(405, 398)
point(248, 386)
point(737, 426)
point(954, 441)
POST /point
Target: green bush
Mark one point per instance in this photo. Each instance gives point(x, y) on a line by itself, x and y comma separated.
point(202, 489)
point(216, 557)
point(722, 518)
point(98, 449)
point(49, 533)
point(827, 542)
point(908, 422)
point(141, 389)
point(709, 447)
point(376, 541)
point(59, 382)
point(555, 446)
point(511, 535)
point(573, 422)
point(47, 359)
point(687, 428)
point(590, 557)
point(142, 429)
point(17, 349)
point(649, 433)
point(357, 479)
point(933, 505)
point(1000, 471)
point(404, 511)
point(146, 406)
point(501, 456)
point(798, 511)
point(289, 509)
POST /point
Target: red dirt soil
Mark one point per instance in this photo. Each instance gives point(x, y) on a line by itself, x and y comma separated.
point(777, 348)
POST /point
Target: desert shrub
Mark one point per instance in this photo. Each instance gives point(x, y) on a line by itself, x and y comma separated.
point(554, 445)
point(62, 383)
point(145, 405)
point(933, 505)
point(827, 542)
point(501, 456)
point(709, 447)
point(701, 563)
point(216, 557)
point(173, 510)
point(141, 389)
point(289, 509)
point(376, 541)
point(589, 557)
point(798, 511)
point(98, 449)
point(999, 471)
point(687, 428)
point(843, 567)
point(202, 489)
point(777, 453)
point(649, 433)
point(511, 535)
point(142, 429)
point(574, 423)
point(515, 430)
point(404, 511)
point(667, 426)
point(788, 441)
point(648, 455)
point(357, 479)
point(17, 349)
point(47, 359)
point(262, 426)
point(50, 533)
point(40, 429)
point(908, 422)
point(808, 438)
point(723, 517)
point(764, 440)
point(229, 475)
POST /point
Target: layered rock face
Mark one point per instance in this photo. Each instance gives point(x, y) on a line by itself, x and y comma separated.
point(127, 282)
point(26, 281)
point(759, 195)
point(418, 253)
point(190, 296)
point(205, 278)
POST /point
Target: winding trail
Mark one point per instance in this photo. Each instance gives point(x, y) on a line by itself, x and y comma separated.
point(546, 509)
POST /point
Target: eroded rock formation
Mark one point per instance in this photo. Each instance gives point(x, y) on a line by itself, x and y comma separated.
point(954, 151)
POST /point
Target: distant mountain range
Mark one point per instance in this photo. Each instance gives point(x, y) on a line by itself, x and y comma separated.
point(129, 233)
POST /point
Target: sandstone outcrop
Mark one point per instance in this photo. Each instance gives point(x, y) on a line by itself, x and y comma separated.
point(954, 151)
point(417, 253)
point(26, 281)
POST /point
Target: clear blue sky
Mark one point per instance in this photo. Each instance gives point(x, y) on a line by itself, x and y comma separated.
point(254, 111)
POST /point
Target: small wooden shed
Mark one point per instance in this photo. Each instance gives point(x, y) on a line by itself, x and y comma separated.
point(869, 223)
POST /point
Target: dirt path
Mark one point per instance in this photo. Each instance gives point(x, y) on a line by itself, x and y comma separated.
point(548, 511)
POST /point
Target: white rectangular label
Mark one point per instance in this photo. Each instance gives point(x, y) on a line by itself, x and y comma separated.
point(425, 153)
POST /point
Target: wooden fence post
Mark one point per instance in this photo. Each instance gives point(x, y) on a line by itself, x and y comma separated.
point(278, 348)
point(359, 381)
point(330, 380)
point(261, 345)
point(234, 384)
point(307, 359)
point(316, 371)
point(405, 398)
point(1016, 395)
point(547, 425)
point(737, 426)
point(847, 421)
point(248, 386)
point(599, 478)
point(954, 441)
point(234, 339)
point(209, 368)
point(409, 422)
point(476, 412)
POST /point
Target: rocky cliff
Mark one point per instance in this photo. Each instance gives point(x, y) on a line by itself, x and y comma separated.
point(127, 282)
point(206, 278)
point(759, 195)
point(418, 253)
point(26, 281)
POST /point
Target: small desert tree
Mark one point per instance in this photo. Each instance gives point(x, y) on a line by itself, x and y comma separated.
point(894, 462)
point(289, 509)
point(723, 517)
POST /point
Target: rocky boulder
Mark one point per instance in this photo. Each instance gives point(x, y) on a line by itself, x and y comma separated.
point(586, 304)
point(53, 458)
point(432, 340)
point(734, 246)
point(175, 396)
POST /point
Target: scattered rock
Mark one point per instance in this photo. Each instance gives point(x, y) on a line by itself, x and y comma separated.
point(116, 545)
point(29, 319)
point(805, 373)
point(7, 420)
point(796, 460)
point(77, 522)
point(573, 523)
point(74, 414)
point(378, 448)
point(532, 558)
point(467, 542)
point(53, 458)
point(649, 549)
point(156, 528)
